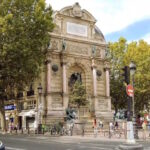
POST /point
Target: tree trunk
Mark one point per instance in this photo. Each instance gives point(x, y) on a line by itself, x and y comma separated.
point(2, 113)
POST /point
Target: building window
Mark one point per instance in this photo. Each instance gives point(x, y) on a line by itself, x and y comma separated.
point(31, 104)
point(31, 91)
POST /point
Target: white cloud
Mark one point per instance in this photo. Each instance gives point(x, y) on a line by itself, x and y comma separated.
point(147, 38)
point(111, 15)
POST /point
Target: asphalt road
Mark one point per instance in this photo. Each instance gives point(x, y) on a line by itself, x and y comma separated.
point(24, 142)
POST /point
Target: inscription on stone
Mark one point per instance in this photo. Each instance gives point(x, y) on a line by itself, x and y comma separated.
point(76, 29)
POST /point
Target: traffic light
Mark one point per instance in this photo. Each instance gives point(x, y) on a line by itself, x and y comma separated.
point(126, 74)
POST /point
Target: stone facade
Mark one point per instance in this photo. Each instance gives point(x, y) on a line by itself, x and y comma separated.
point(76, 46)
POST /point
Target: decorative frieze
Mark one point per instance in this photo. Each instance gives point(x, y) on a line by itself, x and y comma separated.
point(78, 49)
point(54, 45)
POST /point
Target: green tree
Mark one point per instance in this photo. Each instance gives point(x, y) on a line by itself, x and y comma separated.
point(121, 54)
point(24, 37)
point(116, 54)
point(78, 95)
point(139, 53)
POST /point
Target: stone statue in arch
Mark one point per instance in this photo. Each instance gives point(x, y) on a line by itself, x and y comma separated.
point(75, 77)
point(93, 50)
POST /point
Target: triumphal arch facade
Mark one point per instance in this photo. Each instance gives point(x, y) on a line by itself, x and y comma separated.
point(77, 50)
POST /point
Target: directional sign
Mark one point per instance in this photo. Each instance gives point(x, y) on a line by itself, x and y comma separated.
point(130, 90)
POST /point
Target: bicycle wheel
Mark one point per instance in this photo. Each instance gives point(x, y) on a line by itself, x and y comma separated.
point(106, 134)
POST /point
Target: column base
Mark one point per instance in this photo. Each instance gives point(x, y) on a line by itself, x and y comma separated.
point(127, 146)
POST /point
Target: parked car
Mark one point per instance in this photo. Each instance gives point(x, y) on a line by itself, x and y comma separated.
point(2, 147)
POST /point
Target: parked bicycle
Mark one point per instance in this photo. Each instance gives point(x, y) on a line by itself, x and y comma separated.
point(113, 133)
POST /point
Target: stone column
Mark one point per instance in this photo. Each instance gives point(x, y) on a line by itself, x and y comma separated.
point(94, 79)
point(48, 75)
point(48, 86)
point(107, 68)
point(107, 83)
point(64, 75)
point(64, 78)
point(94, 85)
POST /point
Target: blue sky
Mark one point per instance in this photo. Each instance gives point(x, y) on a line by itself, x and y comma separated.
point(115, 18)
point(135, 31)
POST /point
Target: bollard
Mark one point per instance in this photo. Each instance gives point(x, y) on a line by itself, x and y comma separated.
point(16, 130)
point(21, 130)
point(109, 133)
point(28, 130)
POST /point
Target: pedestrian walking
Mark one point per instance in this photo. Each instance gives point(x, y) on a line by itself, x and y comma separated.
point(100, 124)
point(95, 127)
point(116, 125)
point(111, 129)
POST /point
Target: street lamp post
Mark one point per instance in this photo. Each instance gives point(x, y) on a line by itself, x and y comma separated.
point(39, 107)
point(131, 143)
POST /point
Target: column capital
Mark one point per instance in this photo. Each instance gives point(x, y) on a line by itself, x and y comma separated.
point(106, 66)
point(93, 63)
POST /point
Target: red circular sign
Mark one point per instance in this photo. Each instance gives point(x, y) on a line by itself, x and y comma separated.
point(130, 90)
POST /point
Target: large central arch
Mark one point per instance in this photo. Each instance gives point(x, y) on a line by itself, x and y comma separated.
point(76, 71)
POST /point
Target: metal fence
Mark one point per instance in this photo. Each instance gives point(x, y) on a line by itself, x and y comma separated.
point(64, 130)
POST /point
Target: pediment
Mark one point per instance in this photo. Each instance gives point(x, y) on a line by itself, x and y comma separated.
point(77, 12)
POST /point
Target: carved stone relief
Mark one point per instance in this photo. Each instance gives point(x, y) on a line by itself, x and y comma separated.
point(95, 51)
point(98, 52)
point(54, 45)
point(77, 12)
point(78, 49)
point(103, 104)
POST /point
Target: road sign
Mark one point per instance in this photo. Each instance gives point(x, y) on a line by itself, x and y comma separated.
point(130, 90)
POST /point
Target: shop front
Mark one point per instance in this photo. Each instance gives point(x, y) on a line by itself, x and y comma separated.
point(26, 119)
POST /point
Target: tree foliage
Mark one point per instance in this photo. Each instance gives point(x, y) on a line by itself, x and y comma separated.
point(139, 53)
point(24, 35)
point(121, 54)
point(78, 95)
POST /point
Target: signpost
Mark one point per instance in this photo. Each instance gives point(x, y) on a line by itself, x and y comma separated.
point(130, 90)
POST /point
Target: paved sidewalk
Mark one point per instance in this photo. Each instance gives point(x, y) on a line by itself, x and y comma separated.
point(76, 137)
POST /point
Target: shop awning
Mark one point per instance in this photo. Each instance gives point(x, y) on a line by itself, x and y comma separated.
point(27, 113)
